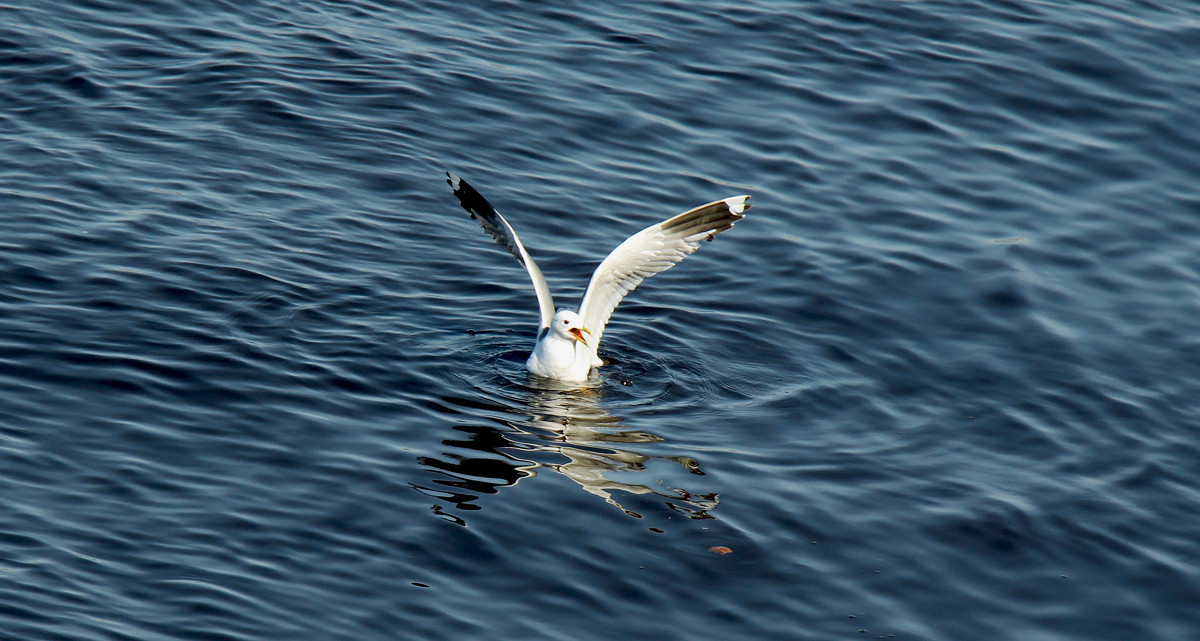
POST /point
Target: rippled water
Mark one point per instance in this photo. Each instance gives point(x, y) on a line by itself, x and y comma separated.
point(262, 378)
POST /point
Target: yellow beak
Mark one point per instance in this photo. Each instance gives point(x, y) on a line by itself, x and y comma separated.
point(577, 332)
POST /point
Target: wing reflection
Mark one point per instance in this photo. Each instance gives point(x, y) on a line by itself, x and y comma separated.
point(568, 432)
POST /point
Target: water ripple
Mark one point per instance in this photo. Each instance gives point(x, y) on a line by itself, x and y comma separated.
point(261, 378)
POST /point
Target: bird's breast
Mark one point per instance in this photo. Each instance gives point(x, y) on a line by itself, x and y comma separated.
point(563, 359)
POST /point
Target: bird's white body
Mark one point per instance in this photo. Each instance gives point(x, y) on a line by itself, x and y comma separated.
point(560, 354)
point(562, 351)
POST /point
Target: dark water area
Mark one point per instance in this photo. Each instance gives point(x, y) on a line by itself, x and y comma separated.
point(261, 377)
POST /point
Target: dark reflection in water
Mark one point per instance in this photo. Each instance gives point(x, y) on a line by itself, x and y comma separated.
point(568, 432)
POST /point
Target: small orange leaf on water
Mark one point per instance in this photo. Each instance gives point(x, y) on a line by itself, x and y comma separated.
point(720, 549)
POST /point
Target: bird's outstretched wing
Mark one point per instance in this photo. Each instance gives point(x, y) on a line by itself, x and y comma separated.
point(481, 210)
point(654, 249)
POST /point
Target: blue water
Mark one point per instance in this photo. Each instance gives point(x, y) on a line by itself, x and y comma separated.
point(261, 377)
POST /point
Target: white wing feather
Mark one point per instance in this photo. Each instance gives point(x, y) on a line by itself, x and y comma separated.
point(648, 252)
point(493, 223)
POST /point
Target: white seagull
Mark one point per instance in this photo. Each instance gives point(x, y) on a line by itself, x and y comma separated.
point(567, 341)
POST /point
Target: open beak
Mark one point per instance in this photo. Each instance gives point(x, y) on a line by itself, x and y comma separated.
point(577, 332)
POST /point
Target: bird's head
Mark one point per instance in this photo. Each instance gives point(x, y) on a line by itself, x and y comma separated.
point(568, 324)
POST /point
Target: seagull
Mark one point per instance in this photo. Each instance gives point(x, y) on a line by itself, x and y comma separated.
point(567, 341)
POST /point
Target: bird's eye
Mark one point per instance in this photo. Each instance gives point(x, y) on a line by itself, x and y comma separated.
point(566, 322)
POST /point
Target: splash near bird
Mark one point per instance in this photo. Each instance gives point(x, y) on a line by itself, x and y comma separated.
point(566, 344)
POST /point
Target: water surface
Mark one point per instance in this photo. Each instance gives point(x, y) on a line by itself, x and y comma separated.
point(262, 378)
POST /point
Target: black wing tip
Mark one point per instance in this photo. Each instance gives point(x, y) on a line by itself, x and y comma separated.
point(470, 199)
point(715, 217)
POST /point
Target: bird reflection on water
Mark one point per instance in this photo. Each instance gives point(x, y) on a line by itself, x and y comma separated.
point(564, 430)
